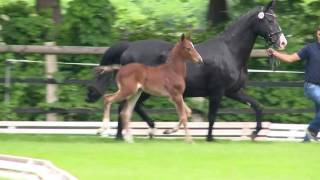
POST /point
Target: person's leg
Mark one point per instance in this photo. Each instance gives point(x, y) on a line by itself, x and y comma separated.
point(315, 123)
point(312, 91)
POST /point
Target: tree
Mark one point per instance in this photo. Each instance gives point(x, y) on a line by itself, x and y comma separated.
point(50, 8)
point(217, 12)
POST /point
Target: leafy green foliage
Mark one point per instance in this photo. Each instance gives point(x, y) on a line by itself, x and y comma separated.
point(87, 23)
point(141, 19)
point(21, 25)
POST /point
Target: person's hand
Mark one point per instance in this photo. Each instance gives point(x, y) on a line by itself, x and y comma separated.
point(270, 51)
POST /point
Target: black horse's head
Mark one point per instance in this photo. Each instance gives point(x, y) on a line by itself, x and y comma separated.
point(97, 88)
point(268, 27)
point(92, 94)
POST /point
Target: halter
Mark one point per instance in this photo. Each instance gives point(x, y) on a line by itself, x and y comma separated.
point(269, 40)
point(270, 35)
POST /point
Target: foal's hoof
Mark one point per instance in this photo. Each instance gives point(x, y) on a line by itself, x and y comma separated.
point(189, 141)
point(168, 131)
point(152, 132)
point(104, 133)
point(99, 131)
point(129, 140)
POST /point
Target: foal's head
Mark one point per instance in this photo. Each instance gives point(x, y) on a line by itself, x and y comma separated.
point(186, 49)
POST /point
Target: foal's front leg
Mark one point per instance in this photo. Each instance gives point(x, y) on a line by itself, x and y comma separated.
point(188, 110)
point(177, 127)
point(183, 117)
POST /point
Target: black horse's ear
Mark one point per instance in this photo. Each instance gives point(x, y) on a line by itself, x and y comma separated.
point(182, 37)
point(270, 5)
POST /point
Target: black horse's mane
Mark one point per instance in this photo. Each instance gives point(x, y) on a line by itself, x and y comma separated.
point(238, 21)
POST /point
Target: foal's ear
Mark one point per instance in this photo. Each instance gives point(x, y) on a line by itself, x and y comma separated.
point(182, 37)
point(188, 36)
point(270, 5)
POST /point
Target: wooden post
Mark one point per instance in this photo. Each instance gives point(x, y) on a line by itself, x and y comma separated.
point(51, 68)
point(7, 82)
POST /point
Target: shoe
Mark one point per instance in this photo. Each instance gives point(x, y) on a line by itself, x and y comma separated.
point(306, 140)
point(311, 134)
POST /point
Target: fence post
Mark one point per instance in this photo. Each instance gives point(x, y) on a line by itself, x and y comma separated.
point(7, 82)
point(51, 68)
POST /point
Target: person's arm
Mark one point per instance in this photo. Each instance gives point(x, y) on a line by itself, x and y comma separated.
point(283, 56)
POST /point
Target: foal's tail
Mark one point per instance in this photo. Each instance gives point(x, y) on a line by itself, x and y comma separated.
point(101, 81)
point(103, 69)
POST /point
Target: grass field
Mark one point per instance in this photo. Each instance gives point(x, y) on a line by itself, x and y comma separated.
point(94, 158)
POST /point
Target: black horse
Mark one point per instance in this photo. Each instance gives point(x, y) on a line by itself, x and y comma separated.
point(225, 63)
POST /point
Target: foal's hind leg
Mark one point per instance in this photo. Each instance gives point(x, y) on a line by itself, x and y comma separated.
point(126, 114)
point(108, 100)
point(139, 110)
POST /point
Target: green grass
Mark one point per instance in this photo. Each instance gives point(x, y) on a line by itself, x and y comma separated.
point(90, 157)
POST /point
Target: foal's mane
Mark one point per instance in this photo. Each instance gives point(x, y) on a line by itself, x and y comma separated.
point(174, 50)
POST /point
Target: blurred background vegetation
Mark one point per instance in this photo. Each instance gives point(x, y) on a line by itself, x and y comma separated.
point(104, 22)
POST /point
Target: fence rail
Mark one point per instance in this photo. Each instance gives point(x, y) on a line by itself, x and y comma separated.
point(161, 111)
point(222, 130)
point(39, 49)
point(85, 82)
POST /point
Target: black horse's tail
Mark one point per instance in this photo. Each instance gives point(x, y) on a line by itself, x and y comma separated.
point(101, 81)
point(113, 54)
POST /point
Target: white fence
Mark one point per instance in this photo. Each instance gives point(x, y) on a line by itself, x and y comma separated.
point(14, 167)
point(222, 130)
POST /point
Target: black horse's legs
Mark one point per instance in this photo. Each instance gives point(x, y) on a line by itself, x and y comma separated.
point(214, 103)
point(141, 112)
point(138, 109)
point(242, 97)
point(120, 125)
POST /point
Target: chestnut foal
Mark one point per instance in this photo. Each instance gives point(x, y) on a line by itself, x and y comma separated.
point(164, 80)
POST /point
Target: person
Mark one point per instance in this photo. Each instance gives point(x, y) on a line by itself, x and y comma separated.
point(311, 54)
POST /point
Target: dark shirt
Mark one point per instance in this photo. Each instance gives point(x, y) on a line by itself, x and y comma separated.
point(311, 53)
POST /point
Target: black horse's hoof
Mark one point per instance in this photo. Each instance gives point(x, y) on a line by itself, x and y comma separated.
point(253, 136)
point(210, 139)
point(119, 138)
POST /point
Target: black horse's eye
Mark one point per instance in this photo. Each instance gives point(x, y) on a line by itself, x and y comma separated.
point(270, 20)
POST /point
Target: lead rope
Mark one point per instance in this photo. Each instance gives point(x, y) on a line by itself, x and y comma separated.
point(273, 62)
